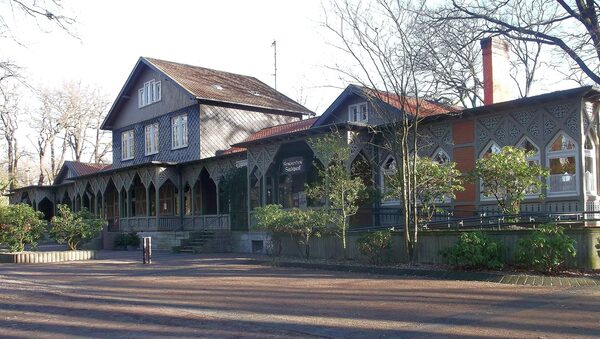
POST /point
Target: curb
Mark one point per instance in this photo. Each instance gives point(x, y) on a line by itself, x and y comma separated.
point(509, 279)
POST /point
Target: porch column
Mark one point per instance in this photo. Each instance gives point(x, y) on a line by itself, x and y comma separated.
point(193, 198)
point(218, 200)
point(180, 193)
point(249, 208)
point(128, 207)
point(157, 199)
point(148, 204)
point(263, 189)
point(120, 204)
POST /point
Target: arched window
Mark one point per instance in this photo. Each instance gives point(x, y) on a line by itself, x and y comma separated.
point(388, 169)
point(534, 159)
point(561, 156)
point(491, 148)
point(589, 153)
point(441, 157)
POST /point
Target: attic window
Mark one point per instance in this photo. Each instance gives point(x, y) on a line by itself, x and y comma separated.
point(358, 112)
point(218, 87)
point(150, 93)
point(255, 93)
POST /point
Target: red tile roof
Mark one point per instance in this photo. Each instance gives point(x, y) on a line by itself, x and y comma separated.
point(427, 107)
point(213, 85)
point(291, 127)
point(233, 150)
point(83, 168)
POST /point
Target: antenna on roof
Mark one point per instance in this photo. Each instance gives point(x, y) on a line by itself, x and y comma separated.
point(274, 45)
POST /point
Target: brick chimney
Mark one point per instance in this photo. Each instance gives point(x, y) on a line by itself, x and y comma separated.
point(495, 70)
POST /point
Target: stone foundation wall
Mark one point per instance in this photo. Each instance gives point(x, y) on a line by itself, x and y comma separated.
point(250, 242)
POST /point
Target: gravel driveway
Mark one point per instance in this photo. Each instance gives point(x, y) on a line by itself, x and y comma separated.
point(229, 296)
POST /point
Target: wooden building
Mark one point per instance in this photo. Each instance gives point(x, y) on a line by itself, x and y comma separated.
point(181, 132)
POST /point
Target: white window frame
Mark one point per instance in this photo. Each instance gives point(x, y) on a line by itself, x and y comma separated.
point(359, 113)
point(591, 153)
point(151, 139)
point(438, 151)
point(447, 200)
point(151, 92)
point(563, 154)
point(127, 145)
point(483, 152)
point(383, 172)
point(534, 158)
point(179, 132)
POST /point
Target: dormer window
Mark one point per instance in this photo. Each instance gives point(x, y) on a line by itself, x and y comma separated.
point(358, 112)
point(150, 93)
point(127, 145)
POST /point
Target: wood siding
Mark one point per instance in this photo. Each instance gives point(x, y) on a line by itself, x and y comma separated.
point(173, 98)
point(220, 127)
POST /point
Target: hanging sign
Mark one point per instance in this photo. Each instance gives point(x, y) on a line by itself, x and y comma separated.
point(292, 165)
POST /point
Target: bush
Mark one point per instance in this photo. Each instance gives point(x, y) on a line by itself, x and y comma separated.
point(546, 249)
point(127, 239)
point(121, 241)
point(376, 246)
point(474, 251)
point(133, 239)
point(20, 225)
point(74, 228)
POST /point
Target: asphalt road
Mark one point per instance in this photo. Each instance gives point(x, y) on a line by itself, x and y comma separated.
point(228, 296)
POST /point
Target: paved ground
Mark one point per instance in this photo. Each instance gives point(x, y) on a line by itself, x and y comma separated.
point(227, 296)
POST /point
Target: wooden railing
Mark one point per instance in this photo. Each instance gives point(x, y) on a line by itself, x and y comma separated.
point(171, 223)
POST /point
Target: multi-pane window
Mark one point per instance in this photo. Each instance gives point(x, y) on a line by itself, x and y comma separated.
point(388, 170)
point(561, 157)
point(151, 139)
point(150, 93)
point(492, 148)
point(127, 145)
point(441, 157)
point(179, 135)
point(533, 159)
point(589, 153)
point(358, 112)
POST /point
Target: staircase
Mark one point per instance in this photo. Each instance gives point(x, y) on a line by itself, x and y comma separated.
point(203, 242)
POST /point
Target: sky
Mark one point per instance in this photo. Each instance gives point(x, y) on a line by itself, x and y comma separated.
point(229, 35)
point(233, 36)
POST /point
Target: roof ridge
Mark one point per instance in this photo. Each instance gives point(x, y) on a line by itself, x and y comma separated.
point(289, 123)
point(200, 67)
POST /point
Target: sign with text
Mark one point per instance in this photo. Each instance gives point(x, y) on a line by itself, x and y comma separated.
point(292, 165)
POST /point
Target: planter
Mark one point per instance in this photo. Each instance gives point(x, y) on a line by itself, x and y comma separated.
point(47, 257)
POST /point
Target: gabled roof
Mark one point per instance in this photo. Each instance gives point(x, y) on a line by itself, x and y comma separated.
point(213, 86)
point(409, 104)
point(78, 169)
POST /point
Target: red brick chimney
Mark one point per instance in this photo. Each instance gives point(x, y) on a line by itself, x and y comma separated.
point(495, 70)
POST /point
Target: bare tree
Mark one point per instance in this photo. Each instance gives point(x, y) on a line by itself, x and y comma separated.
point(82, 108)
point(9, 119)
point(101, 142)
point(78, 111)
point(568, 28)
point(382, 41)
point(452, 57)
point(46, 15)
